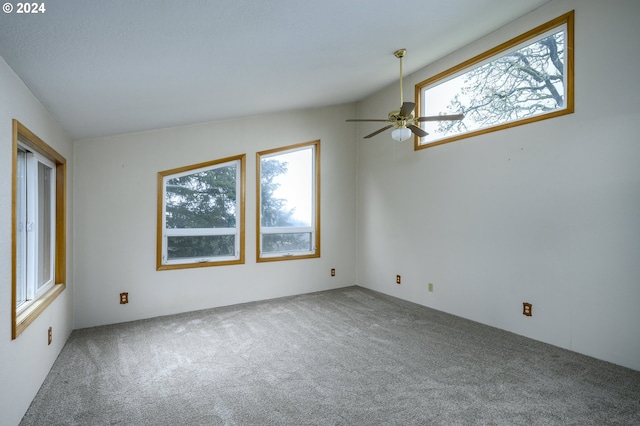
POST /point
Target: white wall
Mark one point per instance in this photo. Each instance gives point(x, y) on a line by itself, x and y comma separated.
point(115, 226)
point(547, 213)
point(25, 362)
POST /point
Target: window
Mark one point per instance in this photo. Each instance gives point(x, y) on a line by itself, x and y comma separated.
point(526, 79)
point(201, 214)
point(38, 236)
point(288, 203)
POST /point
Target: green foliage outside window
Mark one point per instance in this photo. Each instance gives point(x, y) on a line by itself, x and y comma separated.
point(204, 199)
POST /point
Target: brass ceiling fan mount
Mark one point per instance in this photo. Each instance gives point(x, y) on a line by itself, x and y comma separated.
point(400, 53)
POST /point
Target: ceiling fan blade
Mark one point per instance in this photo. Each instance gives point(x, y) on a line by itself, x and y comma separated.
point(406, 109)
point(367, 119)
point(441, 117)
point(417, 130)
point(378, 131)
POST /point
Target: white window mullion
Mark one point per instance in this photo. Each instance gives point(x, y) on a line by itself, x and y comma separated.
point(194, 232)
point(287, 230)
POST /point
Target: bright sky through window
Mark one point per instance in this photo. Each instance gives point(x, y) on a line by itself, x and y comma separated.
point(294, 185)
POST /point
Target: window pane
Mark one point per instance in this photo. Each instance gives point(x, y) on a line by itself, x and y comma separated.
point(205, 199)
point(523, 83)
point(201, 246)
point(526, 79)
point(44, 225)
point(287, 189)
point(201, 214)
point(21, 225)
point(288, 201)
point(286, 242)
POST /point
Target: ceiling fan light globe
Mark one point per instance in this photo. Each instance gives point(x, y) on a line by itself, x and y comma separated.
point(401, 134)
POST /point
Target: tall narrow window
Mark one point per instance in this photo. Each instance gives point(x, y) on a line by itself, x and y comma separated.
point(288, 202)
point(201, 214)
point(35, 230)
point(526, 79)
point(38, 227)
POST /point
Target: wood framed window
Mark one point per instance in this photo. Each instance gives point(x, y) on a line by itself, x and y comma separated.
point(288, 202)
point(201, 214)
point(38, 227)
point(526, 79)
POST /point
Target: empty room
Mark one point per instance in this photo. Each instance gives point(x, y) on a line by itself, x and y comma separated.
point(279, 212)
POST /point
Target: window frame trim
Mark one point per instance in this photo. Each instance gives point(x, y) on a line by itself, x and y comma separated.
point(315, 227)
point(240, 197)
point(566, 19)
point(21, 320)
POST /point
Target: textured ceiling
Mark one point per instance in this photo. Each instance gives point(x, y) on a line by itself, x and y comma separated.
point(108, 67)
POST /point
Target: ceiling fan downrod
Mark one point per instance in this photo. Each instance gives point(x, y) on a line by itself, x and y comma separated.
point(400, 54)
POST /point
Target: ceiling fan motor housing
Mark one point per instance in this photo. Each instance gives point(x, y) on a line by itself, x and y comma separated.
point(399, 119)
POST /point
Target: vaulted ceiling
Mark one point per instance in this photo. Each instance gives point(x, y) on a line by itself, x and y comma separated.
point(117, 66)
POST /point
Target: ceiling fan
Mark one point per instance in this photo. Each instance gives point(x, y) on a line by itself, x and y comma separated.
point(403, 119)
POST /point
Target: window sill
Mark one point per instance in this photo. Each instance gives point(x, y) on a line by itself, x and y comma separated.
point(280, 256)
point(171, 266)
point(29, 315)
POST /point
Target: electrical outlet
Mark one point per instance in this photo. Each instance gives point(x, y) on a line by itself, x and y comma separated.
point(397, 279)
point(431, 287)
point(527, 309)
point(50, 336)
point(124, 298)
point(333, 272)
